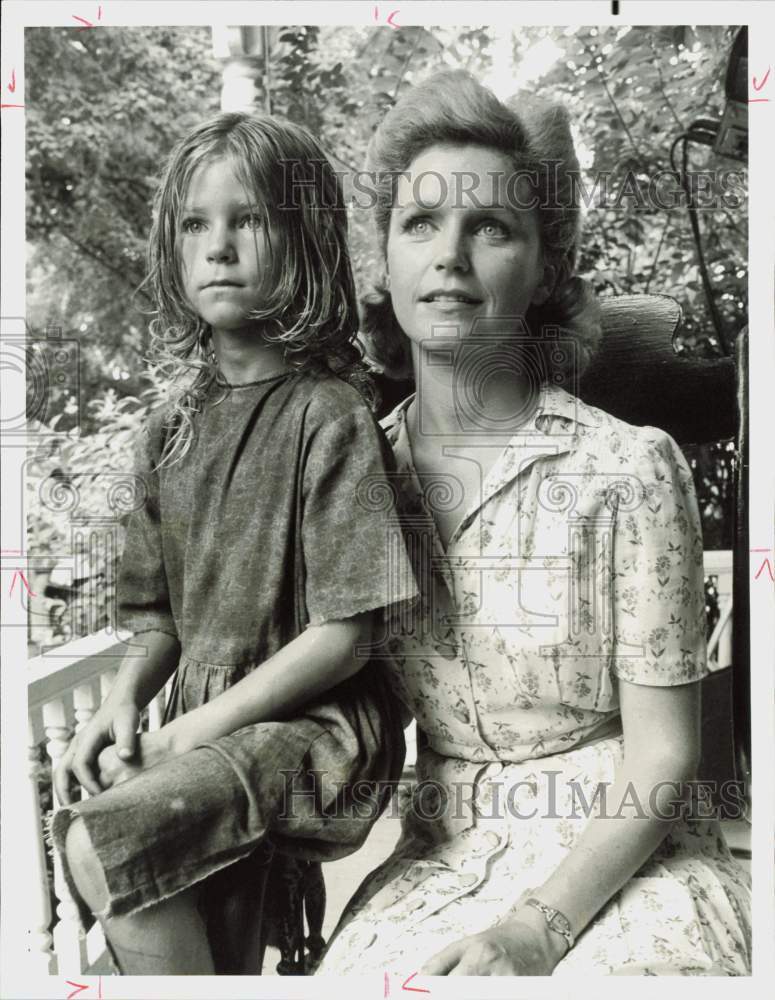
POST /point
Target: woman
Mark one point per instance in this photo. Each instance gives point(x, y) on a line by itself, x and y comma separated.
point(553, 671)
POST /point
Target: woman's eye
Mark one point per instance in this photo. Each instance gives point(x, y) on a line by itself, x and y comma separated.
point(192, 226)
point(493, 228)
point(252, 222)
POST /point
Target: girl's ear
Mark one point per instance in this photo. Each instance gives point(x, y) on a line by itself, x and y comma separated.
point(546, 286)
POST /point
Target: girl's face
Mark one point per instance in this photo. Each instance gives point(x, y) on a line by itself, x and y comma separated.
point(224, 248)
point(460, 249)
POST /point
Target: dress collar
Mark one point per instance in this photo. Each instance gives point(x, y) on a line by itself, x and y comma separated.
point(559, 421)
point(554, 402)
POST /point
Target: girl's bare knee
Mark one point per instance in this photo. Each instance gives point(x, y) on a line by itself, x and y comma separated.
point(85, 868)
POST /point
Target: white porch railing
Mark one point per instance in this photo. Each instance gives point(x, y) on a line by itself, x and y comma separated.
point(718, 563)
point(65, 688)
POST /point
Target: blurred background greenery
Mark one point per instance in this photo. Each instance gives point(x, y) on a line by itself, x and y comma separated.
point(104, 107)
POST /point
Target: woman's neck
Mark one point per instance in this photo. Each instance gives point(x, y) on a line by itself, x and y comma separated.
point(468, 401)
point(246, 357)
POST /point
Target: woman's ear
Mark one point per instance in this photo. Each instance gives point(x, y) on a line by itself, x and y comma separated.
point(546, 286)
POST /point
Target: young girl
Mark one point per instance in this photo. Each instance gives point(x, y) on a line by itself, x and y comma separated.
point(251, 570)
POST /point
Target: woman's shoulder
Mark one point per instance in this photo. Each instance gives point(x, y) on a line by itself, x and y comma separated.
point(606, 435)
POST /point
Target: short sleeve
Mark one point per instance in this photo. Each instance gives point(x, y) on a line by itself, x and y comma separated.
point(143, 594)
point(658, 600)
point(355, 557)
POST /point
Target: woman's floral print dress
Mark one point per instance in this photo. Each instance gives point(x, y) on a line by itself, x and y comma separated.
point(580, 565)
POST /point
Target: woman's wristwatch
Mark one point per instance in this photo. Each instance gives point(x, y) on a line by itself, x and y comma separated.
point(555, 920)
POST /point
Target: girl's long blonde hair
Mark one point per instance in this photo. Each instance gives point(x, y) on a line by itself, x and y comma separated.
point(311, 307)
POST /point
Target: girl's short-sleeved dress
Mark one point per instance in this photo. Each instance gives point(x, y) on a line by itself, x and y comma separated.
point(258, 533)
point(580, 565)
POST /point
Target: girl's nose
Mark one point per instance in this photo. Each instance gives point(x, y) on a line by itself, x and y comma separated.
point(220, 247)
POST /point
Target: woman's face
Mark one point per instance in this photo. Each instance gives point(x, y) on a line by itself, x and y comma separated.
point(460, 249)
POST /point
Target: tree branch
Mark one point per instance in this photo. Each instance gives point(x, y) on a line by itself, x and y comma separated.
point(656, 255)
point(590, 52)
point(655, 63)
point(88, 252)
point(405, 67)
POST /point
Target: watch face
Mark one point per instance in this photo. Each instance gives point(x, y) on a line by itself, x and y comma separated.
point(560, 923)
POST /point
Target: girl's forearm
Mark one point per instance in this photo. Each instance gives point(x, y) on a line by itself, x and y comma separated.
point(309, 665)
point(626, 827)
point(143, 674)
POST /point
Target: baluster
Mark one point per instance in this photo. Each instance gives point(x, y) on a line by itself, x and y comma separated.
point(67, 935)
point(725, 642)
point(83, 702)
point(106, 683)
point(38, 900)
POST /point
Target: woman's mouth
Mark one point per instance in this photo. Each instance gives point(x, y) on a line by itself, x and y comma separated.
point(450, 298)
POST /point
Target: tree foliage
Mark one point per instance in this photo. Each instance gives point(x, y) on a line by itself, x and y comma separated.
point(105, 106)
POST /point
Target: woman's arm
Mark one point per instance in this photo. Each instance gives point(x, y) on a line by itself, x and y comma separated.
point(661, 745)
point(140, 677)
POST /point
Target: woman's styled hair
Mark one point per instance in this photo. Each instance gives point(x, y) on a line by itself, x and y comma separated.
point(452, 107)
point(311, 305)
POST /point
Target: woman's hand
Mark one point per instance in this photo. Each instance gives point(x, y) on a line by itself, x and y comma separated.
point(111, 724)
point(522, 946)
point(152, 749)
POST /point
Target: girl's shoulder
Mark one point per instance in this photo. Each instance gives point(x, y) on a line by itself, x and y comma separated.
point(328, 398)
point(154, 429)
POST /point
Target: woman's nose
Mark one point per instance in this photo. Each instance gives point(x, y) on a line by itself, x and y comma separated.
point(452, 252)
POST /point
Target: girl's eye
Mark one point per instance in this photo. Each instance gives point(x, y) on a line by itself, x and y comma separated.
point(192, 226)
point(419, 225)
point(252, 222)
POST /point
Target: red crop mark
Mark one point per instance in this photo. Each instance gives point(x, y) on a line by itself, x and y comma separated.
point(79, 987)
point(757, 87)
point(387, 985)
point(761, 570)
point(12, 90)
point(390, 17)
point(412, 989)
point(18, 572)
point(85, 23)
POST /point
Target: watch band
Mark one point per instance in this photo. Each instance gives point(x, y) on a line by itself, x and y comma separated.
point(556, 920)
